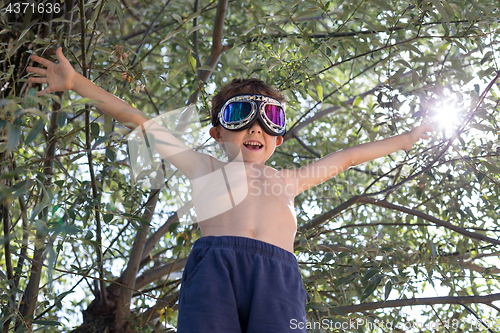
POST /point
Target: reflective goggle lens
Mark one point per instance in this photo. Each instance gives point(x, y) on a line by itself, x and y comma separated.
point(275, 114)
point(237, 111)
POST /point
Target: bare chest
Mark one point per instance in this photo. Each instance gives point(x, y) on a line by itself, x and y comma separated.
point(241, 189)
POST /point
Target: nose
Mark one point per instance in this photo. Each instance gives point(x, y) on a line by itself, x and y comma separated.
point(255, 127)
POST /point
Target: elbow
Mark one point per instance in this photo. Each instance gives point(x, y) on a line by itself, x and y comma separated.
point(352, 158)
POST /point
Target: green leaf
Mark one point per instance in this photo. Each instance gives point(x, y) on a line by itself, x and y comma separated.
point(441, 10)
point(484, 128)
point(357, 101)
point(178, 18)
point(107, 218)
point(404, 63)
point(35, 130)
point(61, 118)
point(13, 136)
point(319, 90)
point(60, 19)
point(170, 35)
point(111, 154)
point(388, 288)
point(304, 14)
point(193, 29)
point(319, 307)
point(338, 311)
point(331, 79)
point(369, 290)
point(46, 322)
point(460, 45)
point(89, 235)
point(414, 78)
point(486, 57)
point(173, 227)
point(40, 41)
point(491, 167)
point(31, 97)
point(433, 249)
point(192, 63)
point(487, 72)
point(35, 112)
point(94, 130)
point(371, 272)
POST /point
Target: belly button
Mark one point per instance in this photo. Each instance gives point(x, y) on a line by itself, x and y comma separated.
point(253, 232)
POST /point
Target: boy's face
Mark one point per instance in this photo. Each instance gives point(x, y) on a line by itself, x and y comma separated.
point(236, 141)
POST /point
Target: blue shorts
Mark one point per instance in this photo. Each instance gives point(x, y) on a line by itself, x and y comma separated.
point(240, 285)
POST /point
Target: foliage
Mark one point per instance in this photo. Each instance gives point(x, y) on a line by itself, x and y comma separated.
point(423, 221)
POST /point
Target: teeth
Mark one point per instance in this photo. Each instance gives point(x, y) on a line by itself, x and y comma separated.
point(253, 144)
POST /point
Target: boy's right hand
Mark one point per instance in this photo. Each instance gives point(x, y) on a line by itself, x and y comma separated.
point(59, 76)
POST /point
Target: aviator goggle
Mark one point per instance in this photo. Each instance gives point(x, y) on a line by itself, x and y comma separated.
point(240, 111)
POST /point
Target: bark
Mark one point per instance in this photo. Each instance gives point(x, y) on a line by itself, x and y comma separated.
point(128, 276)
point(217, 47)
point(157, 273)
point(30, 297)
point(364, 199)
point(5, 220)
point(370, 306)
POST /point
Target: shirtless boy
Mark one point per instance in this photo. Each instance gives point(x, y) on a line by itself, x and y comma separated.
point(242, 275)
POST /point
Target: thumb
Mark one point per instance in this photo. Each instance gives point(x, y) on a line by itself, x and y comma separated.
point(60, 56)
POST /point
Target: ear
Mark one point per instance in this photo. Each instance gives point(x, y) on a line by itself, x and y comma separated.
point(215, 133)
point(279, 140)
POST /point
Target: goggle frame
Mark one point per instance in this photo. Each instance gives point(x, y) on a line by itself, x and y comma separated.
point(256, 111)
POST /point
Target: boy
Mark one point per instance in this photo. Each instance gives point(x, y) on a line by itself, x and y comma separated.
point(242, 275)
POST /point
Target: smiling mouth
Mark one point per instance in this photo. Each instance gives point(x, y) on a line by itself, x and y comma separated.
point(253, 146)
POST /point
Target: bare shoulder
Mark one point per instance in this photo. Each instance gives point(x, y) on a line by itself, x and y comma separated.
point(289, 176)
point(287, 173)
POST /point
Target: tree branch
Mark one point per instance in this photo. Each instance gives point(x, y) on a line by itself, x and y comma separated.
point(364, 199)
point(479, 269)
point(30, 297)
point(158, 272)
point(4, 217)
point(303, 144)
point(475, 315)
point(294, 132)
point(146, 33)
point(153, 240)
point(129, 275)
point(217, 48)
point(164, 302)
point(370, 306)
point(448, 225)
point(329, 215)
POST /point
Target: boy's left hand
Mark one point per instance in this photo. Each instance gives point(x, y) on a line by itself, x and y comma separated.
point(416, 134)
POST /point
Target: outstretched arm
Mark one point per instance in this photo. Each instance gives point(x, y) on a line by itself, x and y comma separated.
point(329, 166)
point(61, 76)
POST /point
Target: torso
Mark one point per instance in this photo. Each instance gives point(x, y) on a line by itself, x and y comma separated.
point(266, 213)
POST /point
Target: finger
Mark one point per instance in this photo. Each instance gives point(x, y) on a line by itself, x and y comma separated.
point(38, 80)
point(44, 91)
point(428, 126)
point(60, 56)
point(40, 60)
point(36, 70)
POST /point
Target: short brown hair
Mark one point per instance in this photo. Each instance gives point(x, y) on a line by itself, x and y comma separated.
point(241, 86)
